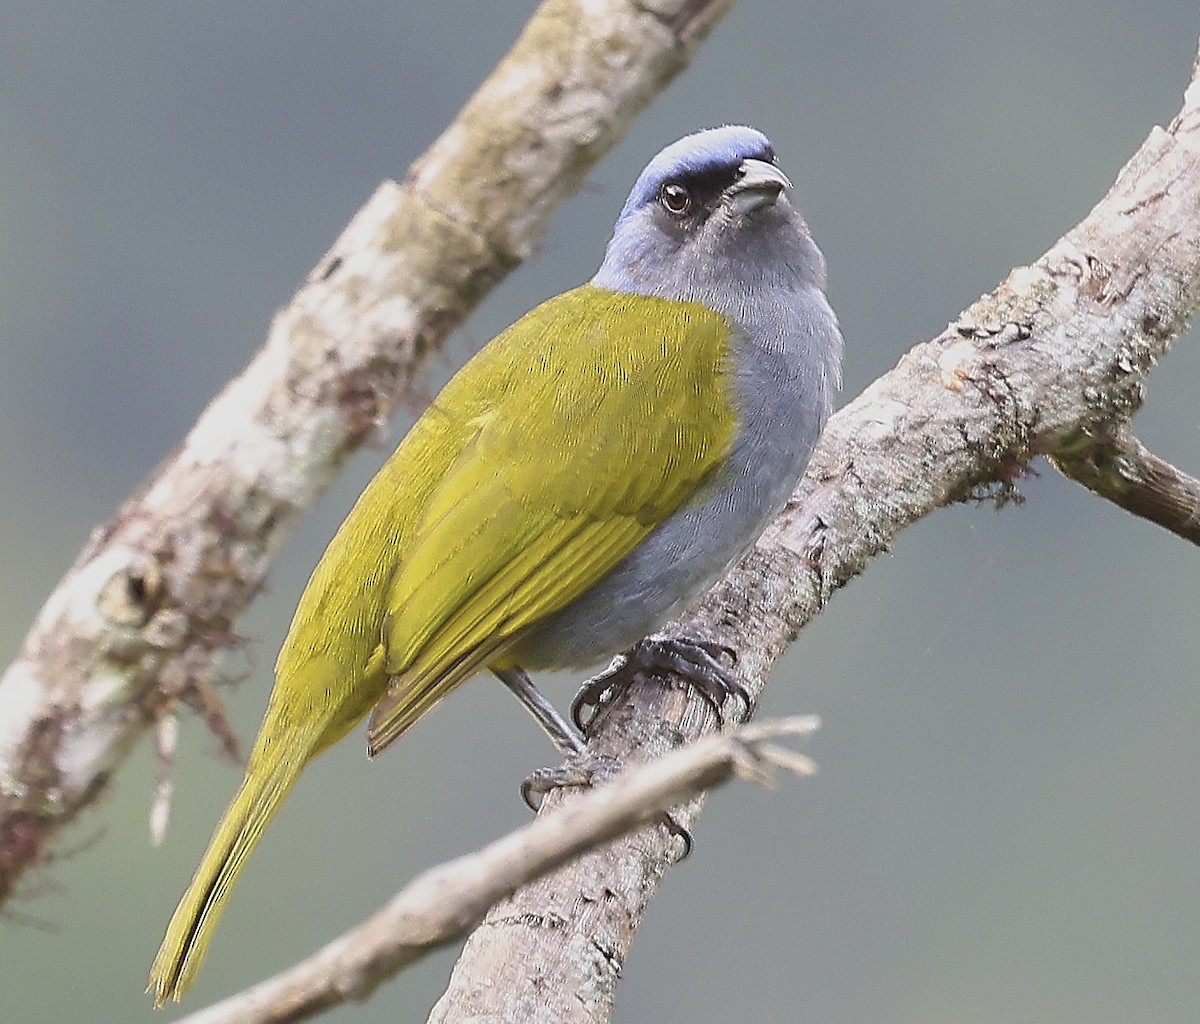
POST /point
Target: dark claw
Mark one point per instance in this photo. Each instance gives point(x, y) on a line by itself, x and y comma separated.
point(697, 661)
point(596, 690)
point(582, 769)
point(677, 831)
point(588, 769)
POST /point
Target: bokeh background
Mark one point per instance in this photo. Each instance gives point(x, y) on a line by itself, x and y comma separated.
point(1006, 823)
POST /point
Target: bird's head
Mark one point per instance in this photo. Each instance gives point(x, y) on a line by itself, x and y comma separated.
point(709, 220)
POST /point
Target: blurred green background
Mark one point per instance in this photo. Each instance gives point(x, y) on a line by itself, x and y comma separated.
point(1006, 823)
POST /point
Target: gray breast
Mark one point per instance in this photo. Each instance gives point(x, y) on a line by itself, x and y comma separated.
point(787, 358)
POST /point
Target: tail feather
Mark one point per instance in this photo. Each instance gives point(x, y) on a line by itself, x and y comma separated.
point(192, 925)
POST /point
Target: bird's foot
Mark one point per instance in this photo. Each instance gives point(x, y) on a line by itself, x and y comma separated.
point(584, 768)
point(697, 661)
point(587, 768)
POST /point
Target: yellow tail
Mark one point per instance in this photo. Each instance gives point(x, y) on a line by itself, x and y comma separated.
point(191, 928)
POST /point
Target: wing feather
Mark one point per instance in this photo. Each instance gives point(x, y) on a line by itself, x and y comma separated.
point(517, 529)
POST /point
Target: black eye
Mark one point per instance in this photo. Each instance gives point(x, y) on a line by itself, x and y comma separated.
point(675, 199)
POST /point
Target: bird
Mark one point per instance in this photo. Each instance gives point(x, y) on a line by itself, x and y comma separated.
point(587, 473)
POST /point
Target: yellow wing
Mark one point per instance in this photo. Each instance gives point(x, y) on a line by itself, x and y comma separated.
point(619, 412)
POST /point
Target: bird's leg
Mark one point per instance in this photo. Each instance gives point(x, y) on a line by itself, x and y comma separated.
point(697, 661)
point(566, 739)
point(580, 767)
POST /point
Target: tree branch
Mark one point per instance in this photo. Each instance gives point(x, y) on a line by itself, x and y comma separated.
point(136, 626)
point(1057, 355)
point(1117, 466)
point(444, 903)
point(1060, 351)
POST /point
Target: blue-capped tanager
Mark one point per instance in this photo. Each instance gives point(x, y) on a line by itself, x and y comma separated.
point(588, 472)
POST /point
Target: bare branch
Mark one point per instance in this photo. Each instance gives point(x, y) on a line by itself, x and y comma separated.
point(445, 902)
point(1117, 466)
point(1062, 348)
point(136, 626)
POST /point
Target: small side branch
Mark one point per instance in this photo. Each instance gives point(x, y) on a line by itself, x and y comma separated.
point(1117, 466)
point(446, 902)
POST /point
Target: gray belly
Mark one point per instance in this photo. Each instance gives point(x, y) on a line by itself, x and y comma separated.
point(785, 406)
point(673, 565)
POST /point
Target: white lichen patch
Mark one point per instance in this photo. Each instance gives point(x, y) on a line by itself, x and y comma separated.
point(21, 697)
point(95, 736)
point(882, 420)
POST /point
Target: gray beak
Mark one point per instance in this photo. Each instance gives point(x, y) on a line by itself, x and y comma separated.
point(759, 184)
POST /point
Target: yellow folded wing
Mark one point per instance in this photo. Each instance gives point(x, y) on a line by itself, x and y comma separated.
point(618, 414)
